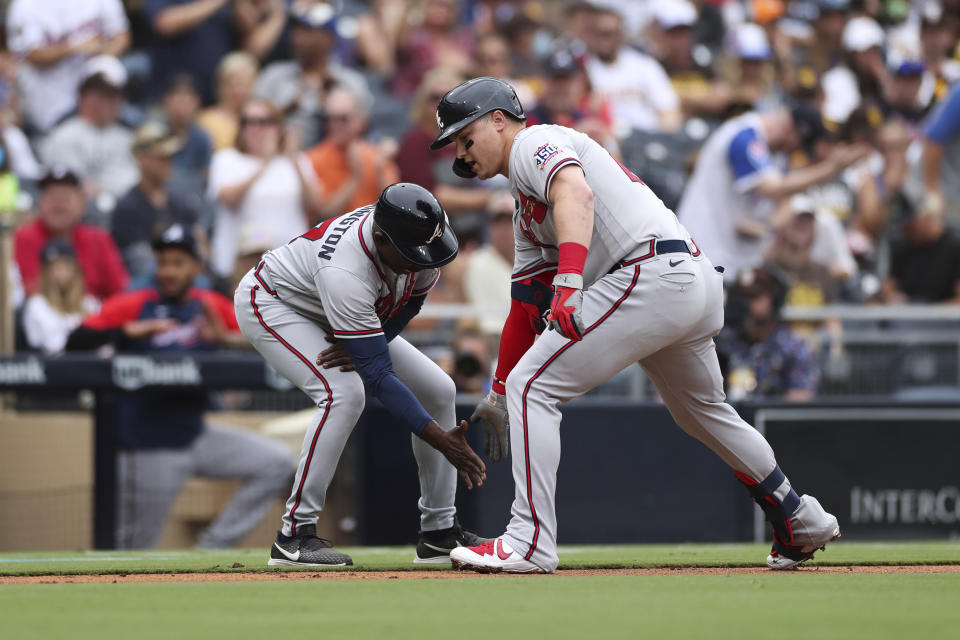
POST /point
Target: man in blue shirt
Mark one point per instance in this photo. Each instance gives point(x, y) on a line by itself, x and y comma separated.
point(162, 433)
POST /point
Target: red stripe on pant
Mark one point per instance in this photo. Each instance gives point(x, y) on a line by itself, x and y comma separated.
point(323, 418)
point(526, 389)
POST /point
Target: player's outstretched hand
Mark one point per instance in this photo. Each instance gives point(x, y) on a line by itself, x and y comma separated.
point(335, 356)
point(453, 445)
point(491, 412)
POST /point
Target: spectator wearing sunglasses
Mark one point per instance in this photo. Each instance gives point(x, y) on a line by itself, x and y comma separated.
point(262, 184)
point(352, 170)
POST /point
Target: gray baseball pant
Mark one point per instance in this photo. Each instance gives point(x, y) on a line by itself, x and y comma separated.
point(148, 481)
point(663, 317)
point(290, 342)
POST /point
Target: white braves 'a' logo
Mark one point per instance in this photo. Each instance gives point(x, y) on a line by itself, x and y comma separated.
point(439, 121)
point(436, 233)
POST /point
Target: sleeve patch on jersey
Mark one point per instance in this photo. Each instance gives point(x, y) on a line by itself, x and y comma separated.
point(545, 153)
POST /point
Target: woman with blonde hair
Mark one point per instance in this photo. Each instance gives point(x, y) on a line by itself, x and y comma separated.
point(236, 77)
point(262, 184)
point(62, 303)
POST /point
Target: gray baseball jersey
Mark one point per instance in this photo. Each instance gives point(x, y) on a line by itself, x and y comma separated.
point(329, 281)
point(651, 296)
point(332, 275)
point(626, 212)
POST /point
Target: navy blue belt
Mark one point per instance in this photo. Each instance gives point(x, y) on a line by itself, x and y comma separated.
point(655, 248)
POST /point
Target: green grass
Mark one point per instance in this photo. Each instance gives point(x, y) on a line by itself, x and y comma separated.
point(399, 558)
point(794, 606)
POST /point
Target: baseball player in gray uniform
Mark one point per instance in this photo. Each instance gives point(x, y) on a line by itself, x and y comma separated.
point(357, 280)
point(604, 264)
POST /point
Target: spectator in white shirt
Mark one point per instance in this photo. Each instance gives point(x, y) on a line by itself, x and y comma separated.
point(94, 144)
point(634, 83)
point(262, 185)
point(54, 38)
point(486, 281)
point(61, 305)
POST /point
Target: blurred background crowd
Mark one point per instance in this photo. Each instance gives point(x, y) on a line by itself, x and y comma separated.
point(811, 147)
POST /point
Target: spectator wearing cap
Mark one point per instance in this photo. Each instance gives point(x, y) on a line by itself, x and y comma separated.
point(862, 76)
point(353, 171)
point(162, 433)
point(55, 38)
point(236, 76)
point(150, 204)
point(728, 201)
point(940, 162)
point(263, 182)
point(762, 357)
point(93, 143)
point(811, 250)
point(568, 101)
point(924, 256)
point(60, 206)
point(297, 87)
point(908, 95)
point(180, 106)
point(753, 77)
point(634, 83)
point(60, 304)
point(687, 65)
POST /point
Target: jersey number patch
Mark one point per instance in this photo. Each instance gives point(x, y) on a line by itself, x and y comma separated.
point(317, 232)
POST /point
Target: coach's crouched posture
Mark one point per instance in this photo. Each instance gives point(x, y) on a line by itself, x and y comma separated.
point(162, 435)
point(355, 281)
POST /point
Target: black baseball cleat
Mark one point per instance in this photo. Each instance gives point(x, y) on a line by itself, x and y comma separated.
point(305, 550)
point(434, 547)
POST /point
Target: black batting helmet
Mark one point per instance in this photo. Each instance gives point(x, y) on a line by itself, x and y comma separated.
point(471, 100)
point(416, 225)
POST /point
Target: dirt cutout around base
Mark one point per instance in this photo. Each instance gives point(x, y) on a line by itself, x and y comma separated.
point(296, 576)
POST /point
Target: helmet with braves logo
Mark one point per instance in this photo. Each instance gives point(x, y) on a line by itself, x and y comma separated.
point(471, 100)
point(416, 224)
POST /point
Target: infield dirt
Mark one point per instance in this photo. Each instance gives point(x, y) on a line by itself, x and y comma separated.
point(290, 576)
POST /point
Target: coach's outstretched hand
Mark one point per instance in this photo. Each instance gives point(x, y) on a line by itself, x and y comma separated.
point(491, 412)
point(453, 445)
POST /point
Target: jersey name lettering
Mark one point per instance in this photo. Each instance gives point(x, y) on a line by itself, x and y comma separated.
point(343, 225)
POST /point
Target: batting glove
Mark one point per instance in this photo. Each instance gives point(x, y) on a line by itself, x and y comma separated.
point(566, 310)
point(492, 412)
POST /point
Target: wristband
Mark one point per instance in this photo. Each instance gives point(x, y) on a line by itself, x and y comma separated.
point(572, 257)
point(499, 386)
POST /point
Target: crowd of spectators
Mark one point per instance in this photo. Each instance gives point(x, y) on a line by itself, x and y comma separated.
point(816, 138)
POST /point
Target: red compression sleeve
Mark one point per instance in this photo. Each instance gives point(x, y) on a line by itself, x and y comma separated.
point(519, 331)
point(517, 336)
point(572, 257)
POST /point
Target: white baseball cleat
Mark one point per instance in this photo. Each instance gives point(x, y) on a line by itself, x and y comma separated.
point(811, 528)
point(494, 556)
